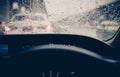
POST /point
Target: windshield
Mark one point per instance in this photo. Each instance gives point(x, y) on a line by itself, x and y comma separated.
point(98, 19)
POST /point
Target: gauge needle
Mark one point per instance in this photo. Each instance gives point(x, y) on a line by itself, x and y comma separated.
point(50, 73)
point(57, 75)
point(43, 74)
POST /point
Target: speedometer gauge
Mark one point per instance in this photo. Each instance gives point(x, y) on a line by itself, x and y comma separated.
point(51, 74)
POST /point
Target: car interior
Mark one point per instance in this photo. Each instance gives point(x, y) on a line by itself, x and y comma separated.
point(59, 55)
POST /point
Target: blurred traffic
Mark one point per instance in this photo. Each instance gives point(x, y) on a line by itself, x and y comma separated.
point(27, 23)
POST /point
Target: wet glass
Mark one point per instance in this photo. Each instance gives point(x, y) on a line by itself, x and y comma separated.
point(98, 19)
point(19, 18)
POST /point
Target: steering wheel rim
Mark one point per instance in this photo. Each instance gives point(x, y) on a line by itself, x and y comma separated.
point(68, 47)
point(55, 57)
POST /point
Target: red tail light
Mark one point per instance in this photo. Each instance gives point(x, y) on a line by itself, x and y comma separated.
point(44, 27)
point(7, 28)
point(47, 27)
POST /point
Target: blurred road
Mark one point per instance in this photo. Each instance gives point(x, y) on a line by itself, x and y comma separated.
point(75, 29)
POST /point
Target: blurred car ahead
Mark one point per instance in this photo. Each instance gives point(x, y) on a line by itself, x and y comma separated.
point(28, 23)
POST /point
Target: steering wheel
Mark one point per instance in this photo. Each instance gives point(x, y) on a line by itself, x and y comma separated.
point(58, 61)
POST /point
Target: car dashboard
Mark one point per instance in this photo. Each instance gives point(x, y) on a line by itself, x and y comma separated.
point(16, 43)
point(58, 62)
